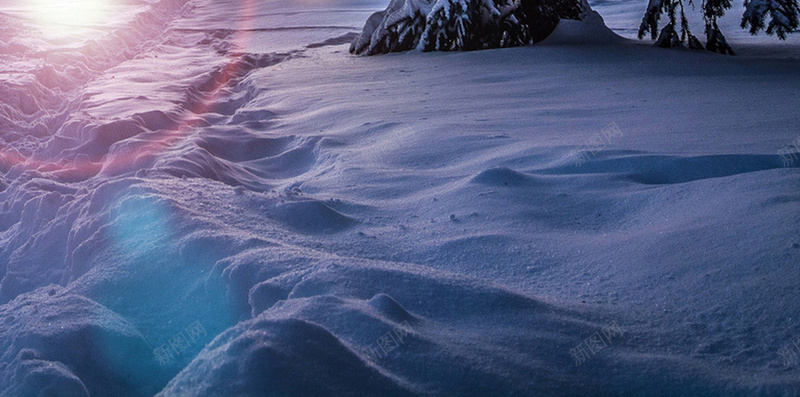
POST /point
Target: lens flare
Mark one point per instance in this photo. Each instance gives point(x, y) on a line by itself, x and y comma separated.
point(233, 68)
point(63, 15)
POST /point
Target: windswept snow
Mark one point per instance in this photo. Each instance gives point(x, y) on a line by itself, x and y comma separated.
point(214, 198)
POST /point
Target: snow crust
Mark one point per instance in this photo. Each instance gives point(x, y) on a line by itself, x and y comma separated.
point(214, 198)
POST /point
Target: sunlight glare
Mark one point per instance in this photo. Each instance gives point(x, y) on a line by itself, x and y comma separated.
point(70, 14)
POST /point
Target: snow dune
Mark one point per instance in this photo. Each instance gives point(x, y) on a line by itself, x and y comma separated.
point(213, 198)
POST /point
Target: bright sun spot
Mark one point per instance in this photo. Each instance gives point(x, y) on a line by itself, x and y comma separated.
point(69, 14)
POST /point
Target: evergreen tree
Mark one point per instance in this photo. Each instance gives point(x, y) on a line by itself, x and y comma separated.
point(447, 25)
point(781, 14)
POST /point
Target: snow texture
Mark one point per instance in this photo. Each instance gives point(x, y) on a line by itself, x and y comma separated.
point(214, 198)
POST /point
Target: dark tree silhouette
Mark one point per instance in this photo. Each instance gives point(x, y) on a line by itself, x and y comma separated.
point(778, 16)
point(447, 25)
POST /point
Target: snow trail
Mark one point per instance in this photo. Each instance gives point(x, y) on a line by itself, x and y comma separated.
point(213, 198)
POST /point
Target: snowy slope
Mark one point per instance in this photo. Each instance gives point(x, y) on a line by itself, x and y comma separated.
point(213, 198)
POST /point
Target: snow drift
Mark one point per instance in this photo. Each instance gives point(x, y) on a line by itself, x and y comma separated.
point(213, 198)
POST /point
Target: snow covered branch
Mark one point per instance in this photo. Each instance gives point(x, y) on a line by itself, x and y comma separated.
point(783, 16)
point(451, 25)
point(783, 19)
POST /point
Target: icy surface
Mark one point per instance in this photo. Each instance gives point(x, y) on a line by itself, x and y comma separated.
point(214, 198)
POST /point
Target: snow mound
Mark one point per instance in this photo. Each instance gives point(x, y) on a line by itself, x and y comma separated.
point(502, 176)
point(277, 357)
point(65, 344)
point(338, 312)
point(311, 216)
point(589, 30)
point(390, 308)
